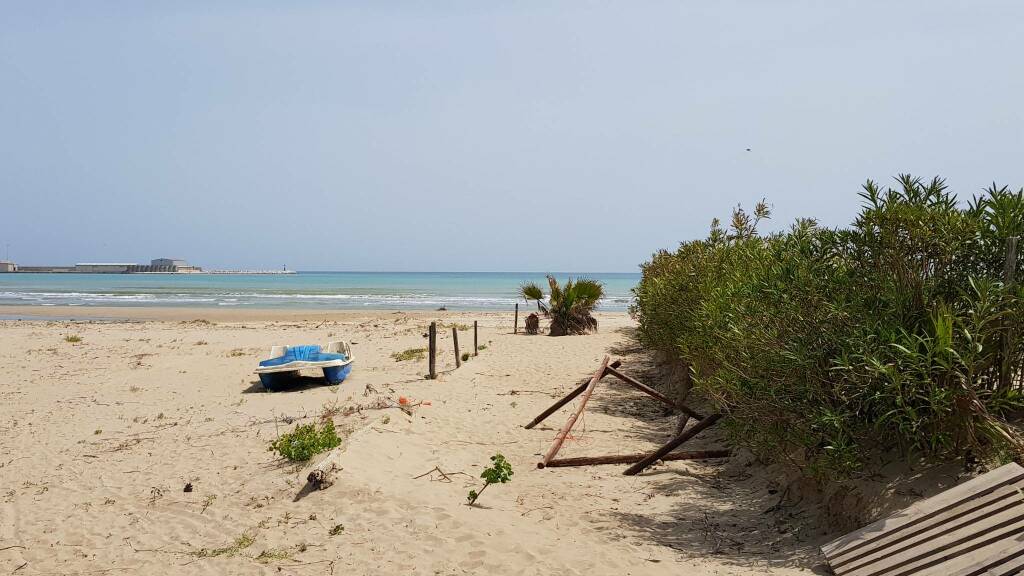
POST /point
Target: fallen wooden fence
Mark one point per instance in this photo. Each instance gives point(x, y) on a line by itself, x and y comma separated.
point(560, 438)
point(639, 461)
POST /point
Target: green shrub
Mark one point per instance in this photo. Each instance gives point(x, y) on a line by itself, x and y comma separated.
point(73, 338)
point(828, 346)
point(306, 441)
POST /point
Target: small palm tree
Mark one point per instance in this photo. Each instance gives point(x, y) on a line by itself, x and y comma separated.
point(570, 307)
point(530, 291)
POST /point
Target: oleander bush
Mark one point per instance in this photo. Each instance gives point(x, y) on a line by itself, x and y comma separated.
point(899, 334)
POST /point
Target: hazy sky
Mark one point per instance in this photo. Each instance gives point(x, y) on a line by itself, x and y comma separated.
point(480, 135)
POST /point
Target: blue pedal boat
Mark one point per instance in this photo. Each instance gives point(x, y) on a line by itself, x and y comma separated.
point(283, 366)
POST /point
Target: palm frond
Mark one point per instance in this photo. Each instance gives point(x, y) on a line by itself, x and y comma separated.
point(531, 291)
point(589, 291)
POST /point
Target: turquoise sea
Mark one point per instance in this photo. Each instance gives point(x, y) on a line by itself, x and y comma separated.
point(321, 290)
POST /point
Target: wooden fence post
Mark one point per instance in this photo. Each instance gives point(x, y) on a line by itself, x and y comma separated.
point(476, 346)
point(433, 350)
point(455, 338)
point(515, 323)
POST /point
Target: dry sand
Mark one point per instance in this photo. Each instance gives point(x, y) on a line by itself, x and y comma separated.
point(98, 439)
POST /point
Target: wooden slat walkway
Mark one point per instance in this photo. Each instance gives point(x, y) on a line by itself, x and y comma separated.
point(974, 529)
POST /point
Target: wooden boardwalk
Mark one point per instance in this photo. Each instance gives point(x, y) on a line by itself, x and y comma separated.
point(974, 529)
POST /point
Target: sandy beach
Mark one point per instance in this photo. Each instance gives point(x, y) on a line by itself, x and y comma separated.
point(99, 437)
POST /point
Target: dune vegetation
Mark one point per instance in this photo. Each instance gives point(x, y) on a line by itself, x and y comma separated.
point(831, 349)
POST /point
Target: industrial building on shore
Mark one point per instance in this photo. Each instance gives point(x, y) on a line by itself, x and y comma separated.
point(156, 266)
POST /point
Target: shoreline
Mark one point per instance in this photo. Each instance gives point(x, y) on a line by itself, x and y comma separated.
point(178, 314)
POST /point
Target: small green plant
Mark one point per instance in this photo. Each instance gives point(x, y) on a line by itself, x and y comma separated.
point(337, 529)
point(236, 353)
point(482, 347)
point(410, 354)
point(465, 356)
point(305, 441)
point(73, 338)
point(500, 472)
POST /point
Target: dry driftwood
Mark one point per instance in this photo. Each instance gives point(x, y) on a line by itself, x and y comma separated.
point(321, 475)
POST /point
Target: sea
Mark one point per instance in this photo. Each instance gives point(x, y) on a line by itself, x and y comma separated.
point(303, 290)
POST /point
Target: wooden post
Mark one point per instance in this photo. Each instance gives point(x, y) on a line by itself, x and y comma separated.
point(433, 350)
point(515, 323)
point(1009, 274)
point(455, 338)
point(672, 445)
point(560, 438)
point(632, 458)
point(476, 346)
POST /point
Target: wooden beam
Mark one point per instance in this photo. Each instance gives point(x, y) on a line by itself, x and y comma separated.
point(560, 438)
point(515, 322)
point(476, 346)
point(660, 453)
point(654, 393)
point(568, 398)
point(632, 458)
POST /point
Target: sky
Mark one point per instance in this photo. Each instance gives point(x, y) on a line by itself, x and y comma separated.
point(480, 136)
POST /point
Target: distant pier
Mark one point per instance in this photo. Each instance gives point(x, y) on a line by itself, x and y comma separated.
point(156, 266)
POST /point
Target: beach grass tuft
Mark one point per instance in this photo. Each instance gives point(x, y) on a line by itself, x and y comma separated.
point(73, 338)
point(240, 543)
point(410, 354)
